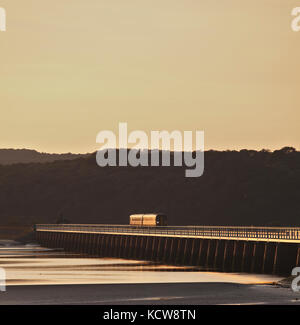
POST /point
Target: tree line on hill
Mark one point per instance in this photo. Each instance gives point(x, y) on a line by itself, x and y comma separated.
point(243, 187)
point(15, 156)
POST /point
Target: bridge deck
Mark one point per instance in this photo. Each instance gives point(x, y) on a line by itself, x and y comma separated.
point(260, 234)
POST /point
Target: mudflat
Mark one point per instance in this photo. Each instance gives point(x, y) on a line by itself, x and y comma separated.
point(149, 294)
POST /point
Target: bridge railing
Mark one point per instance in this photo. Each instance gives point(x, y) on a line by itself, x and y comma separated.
point(259, 233)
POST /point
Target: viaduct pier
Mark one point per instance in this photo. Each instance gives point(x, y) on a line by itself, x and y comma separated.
point(270, 250)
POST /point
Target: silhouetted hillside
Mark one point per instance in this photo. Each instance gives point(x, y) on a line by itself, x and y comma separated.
point(15, 156)
point(237, 188)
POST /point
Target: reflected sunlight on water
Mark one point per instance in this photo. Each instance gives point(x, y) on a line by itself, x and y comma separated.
point(32, 264)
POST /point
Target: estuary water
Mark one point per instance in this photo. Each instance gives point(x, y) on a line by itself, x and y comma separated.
point(31, 264)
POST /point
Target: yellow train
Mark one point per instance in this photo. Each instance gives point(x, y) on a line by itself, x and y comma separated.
point(148, 220)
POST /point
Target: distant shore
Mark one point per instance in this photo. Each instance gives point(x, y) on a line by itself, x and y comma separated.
point(20, 233)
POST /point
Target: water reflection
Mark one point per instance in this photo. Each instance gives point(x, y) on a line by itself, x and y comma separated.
point(32, 264)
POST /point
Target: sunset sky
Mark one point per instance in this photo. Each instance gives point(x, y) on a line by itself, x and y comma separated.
point(69, 69)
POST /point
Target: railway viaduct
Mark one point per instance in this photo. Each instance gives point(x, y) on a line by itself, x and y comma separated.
point(270, 250)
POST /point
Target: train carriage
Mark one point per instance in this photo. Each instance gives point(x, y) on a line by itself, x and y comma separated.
point(148, 220)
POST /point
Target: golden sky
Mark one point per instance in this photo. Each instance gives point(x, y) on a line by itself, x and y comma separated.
point(71, 68)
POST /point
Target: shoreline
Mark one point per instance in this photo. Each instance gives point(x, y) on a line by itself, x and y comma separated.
point(208, 293)
point(49, 277)
point(14, 283)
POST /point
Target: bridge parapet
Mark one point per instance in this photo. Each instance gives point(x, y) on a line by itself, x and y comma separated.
point(263, 234)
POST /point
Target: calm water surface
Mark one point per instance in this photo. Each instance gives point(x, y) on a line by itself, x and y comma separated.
point(31, 264)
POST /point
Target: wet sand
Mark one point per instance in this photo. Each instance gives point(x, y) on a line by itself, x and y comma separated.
point(149, 294)
point(35, 275)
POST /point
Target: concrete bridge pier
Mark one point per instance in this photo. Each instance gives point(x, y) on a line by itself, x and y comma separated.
point(112, 245)
point(165, 251)
point(148, 248)
point(246, 261)
point(188, 251)
point(118, 246)
point(48, 239)
point(154, 248)
point(135, 249)
point(106, 242)
point(132, 247)
point(71, 239)
point(90, 239)
point(171, 250)
point(257, 257)
point(80, 243)
point(97, 245)
point(192, 260)
point(237, 256)
point(212, 246)
point(88, 244)
point(227, 255)
point(124, 249)
point(102, 245)
point(75, 243)
point(113, 239)
point(199, 251)
point(202, 252)
point(143, 250)
point(65, 241)
point(161, 250)
point(179, 251)
point(108, 245)
point(93, 245)
point(158, 257)
point(60, 240)
point(54, 239)
point(129, 247)
point(219, 255)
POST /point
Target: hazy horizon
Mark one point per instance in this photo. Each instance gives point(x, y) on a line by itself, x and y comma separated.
point(91, 152)
point(69, 71)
